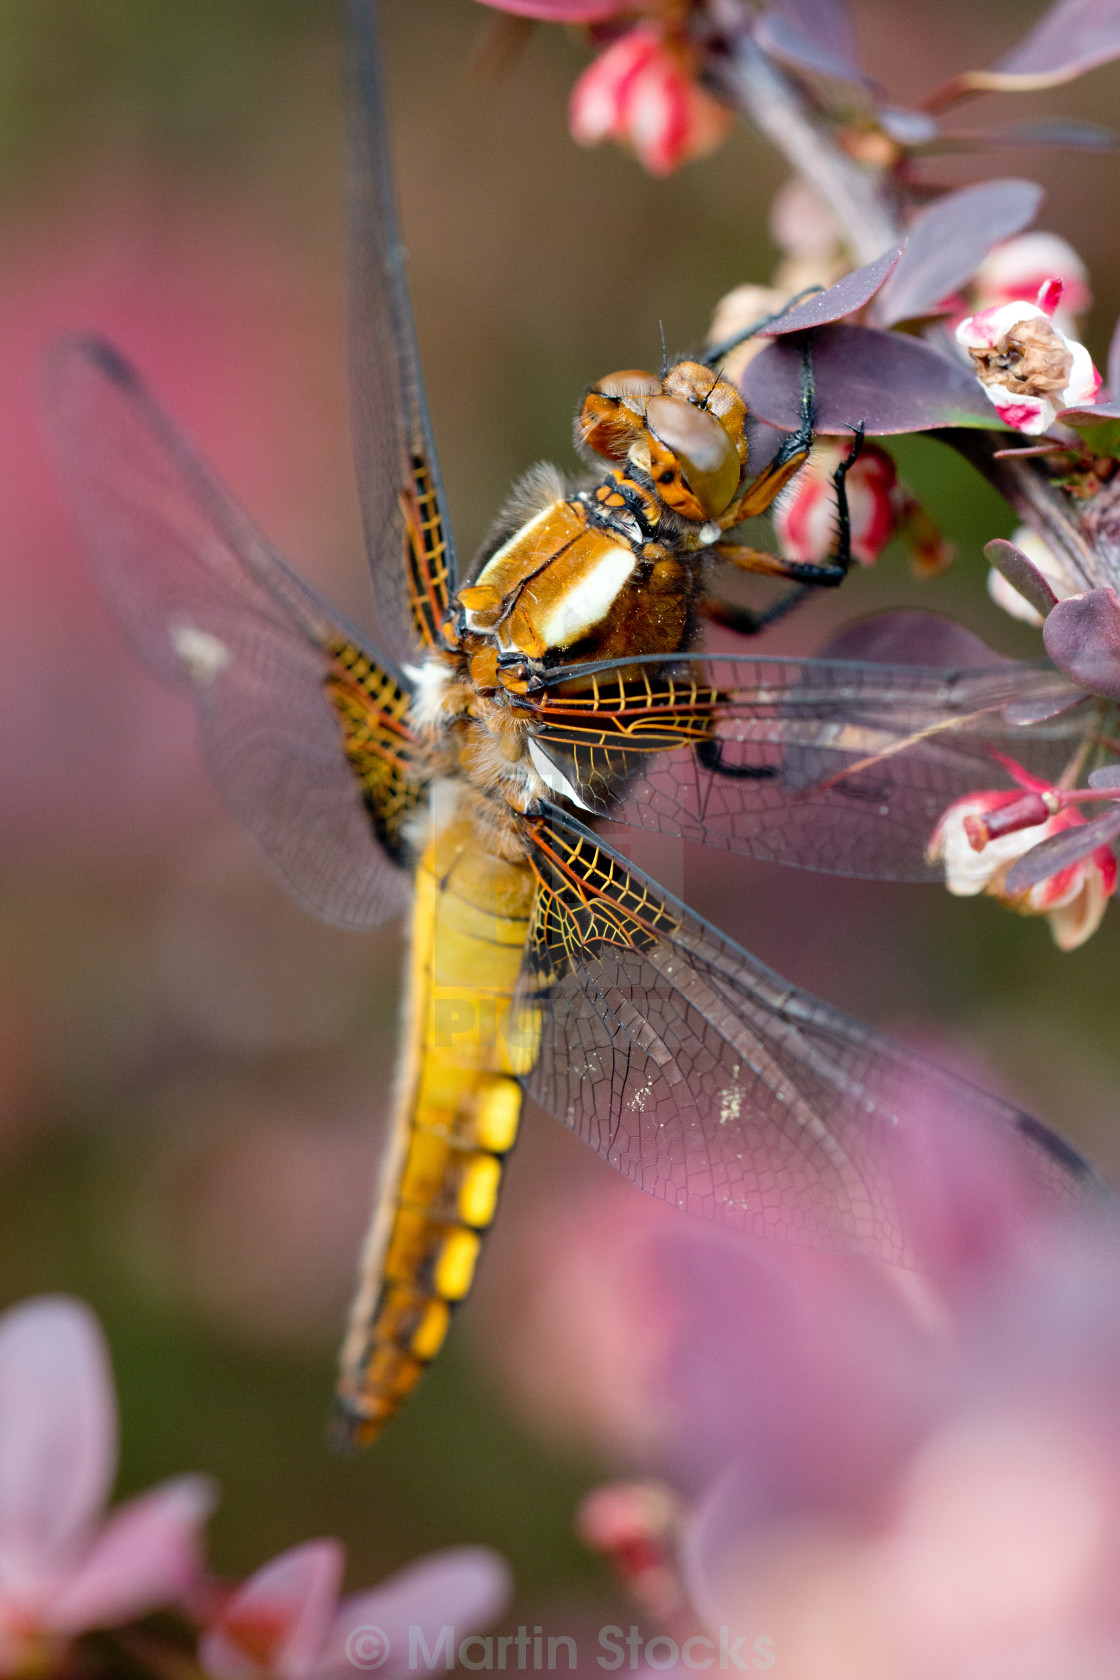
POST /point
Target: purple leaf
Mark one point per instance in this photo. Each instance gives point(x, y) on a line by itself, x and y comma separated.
point(785, 39)
point(1082, 637)
point(844, 298)
point(909, 636)
point(828, 23)
point(1062, 850)
point(889, 381)
point(1107, 777)
point(1072, 37)
point(1069, 39)
point(950, 240)
point(1089, 416)
point(1022, 574)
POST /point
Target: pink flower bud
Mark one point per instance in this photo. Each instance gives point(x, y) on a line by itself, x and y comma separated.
point(879, 508)
point(981, 835)
point(599, 100)
point(1029, 369)
point(805, 516)
point(643, 92)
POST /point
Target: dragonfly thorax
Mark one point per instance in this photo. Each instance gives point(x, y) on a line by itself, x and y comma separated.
point(583, 577)
point(606, 572)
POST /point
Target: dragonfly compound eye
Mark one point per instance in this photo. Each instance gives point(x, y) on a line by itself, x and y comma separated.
point(693, 462)
point(613, 411)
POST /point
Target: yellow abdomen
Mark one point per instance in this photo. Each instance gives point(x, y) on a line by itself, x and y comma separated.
point(457, 1113)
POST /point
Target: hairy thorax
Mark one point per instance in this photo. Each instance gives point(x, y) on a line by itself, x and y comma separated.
point(602, 573)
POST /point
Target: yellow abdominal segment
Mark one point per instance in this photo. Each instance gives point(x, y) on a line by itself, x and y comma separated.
point(458, 1110)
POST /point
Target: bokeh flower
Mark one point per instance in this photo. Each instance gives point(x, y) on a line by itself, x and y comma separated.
point(643, 92)
point(879, 507)
point(986, 1548)
point(873, 1474)
point(980, 836)
point(1029, 369)
point(64, 1567)
point(286, 1622)
point(1016, 269)
point(563, 11)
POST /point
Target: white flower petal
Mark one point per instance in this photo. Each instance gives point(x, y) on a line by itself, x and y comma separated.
point(984, 329)
point(1005, 595)
point(1084, 380)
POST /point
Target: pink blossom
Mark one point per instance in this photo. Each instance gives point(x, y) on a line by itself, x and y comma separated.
point(885, 1475)
point(563, 11)
point(1027, 366)
point(978, 847)
point(879, 508)
point(64, 1568)
point(286, 1622)
point(643, 92)
point(880, 1475)
point(986, 1549)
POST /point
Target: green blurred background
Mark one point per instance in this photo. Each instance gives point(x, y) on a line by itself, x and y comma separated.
point(192, 1074)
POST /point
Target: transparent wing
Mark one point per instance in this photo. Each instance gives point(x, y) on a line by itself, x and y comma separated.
point(408, 535)
point(718, 1087)
point(834, 765)
point(210, 607)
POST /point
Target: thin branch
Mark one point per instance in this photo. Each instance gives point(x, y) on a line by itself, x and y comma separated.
point(1039, 503)
point(759, 89)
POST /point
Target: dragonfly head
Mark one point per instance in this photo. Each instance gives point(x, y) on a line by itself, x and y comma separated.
point(685, 431)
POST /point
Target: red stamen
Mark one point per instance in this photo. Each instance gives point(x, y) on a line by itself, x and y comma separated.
point(1028, 812)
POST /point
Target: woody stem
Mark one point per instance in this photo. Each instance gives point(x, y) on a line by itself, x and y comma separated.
point(759, 89)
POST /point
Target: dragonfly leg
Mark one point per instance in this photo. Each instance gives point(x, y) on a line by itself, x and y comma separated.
point(790, 457)
point(748, 621)
point(710, 755)
point(825, 573)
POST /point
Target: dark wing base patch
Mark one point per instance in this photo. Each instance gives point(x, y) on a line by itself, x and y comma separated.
point(373, 709)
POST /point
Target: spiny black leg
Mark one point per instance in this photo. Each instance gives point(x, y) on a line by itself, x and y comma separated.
point(718, 351)
point(748, 621)
point(801, 441)
point(843, 517)
point(834, 571)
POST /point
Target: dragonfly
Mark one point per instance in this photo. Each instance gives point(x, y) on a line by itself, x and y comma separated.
point(463, 769)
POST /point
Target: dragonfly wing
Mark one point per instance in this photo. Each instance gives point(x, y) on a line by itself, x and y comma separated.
point(408, 535)
point(829, 765)
point(210, 607)
point(718, 1087)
